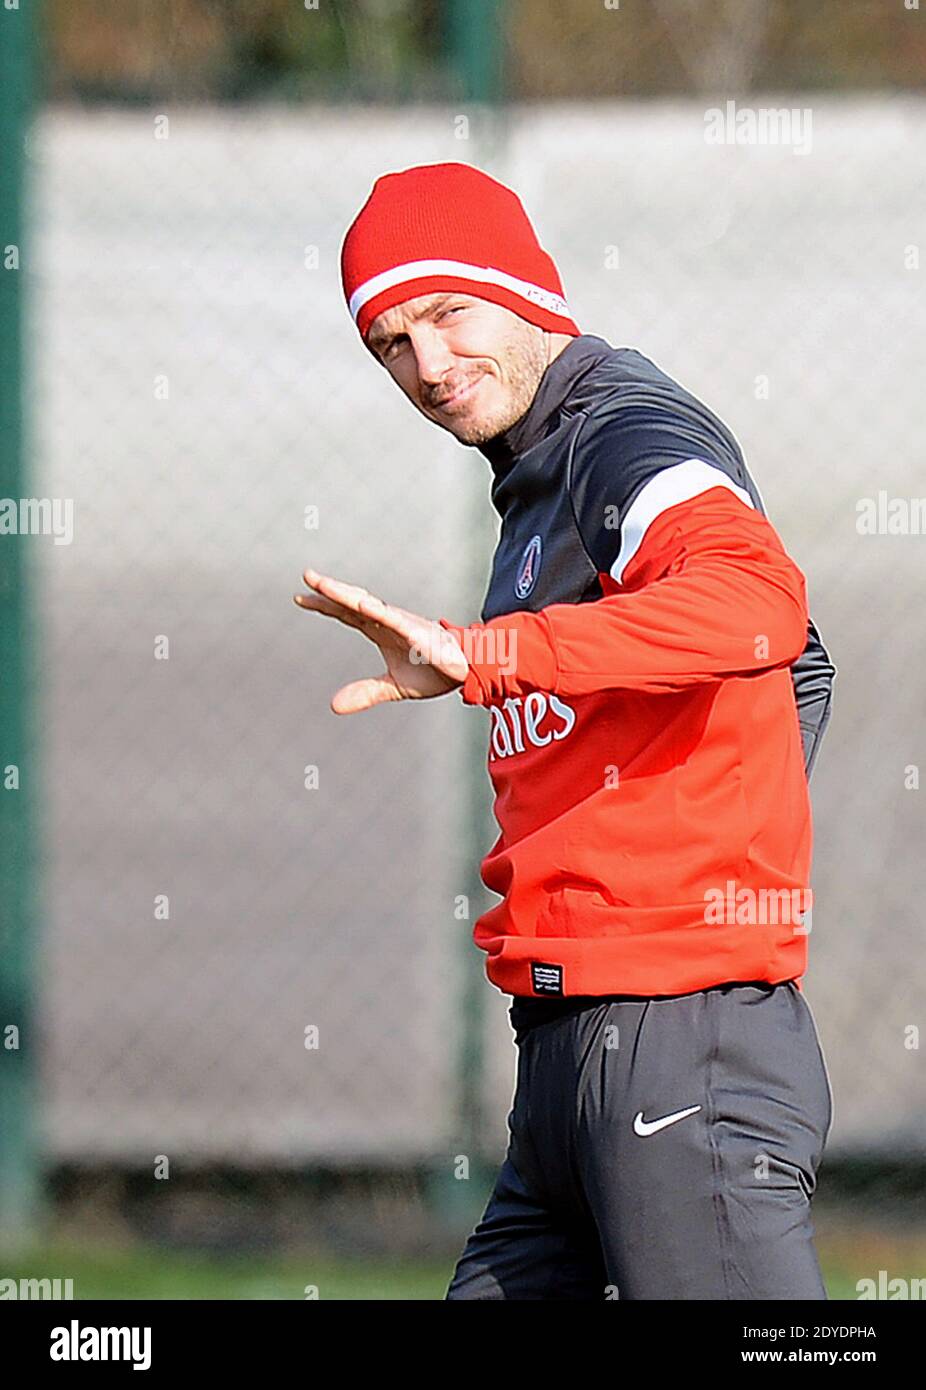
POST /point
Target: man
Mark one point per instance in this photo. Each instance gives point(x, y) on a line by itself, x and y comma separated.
point(657, 696)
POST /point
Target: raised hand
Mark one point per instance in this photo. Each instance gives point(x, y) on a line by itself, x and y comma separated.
point(422, 658)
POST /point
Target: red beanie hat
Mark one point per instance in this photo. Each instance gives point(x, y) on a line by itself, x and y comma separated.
point(448, 227)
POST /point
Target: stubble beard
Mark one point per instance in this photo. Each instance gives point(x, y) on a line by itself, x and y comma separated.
point(524, 361)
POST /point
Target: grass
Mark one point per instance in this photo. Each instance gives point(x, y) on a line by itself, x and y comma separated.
point(100, 1273)
point(149, 1272)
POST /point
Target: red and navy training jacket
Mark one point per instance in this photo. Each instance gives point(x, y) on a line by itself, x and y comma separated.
point(657, 694)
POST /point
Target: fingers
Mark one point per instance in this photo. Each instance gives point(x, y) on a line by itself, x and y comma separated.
point(364, 694)
point(330, 608)
point(350, 595)
point(354, 605)
point(317, 604)
point(353, 597)
point(314, 603)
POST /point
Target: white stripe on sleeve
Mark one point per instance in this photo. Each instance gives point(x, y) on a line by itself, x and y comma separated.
point(665, 489)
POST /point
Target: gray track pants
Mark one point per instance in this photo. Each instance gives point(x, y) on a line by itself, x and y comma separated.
point(610, 1191)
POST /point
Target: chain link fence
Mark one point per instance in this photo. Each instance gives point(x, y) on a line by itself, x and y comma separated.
point(228, 864)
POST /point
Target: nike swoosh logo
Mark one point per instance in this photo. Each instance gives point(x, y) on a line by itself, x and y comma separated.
point(641, 1126)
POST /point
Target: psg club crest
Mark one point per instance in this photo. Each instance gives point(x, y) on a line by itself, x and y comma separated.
point(529, 568)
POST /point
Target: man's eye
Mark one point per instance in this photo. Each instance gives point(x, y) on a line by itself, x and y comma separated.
point(454, 309)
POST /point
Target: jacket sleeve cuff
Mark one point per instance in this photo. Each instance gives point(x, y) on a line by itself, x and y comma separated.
point(472, 691)
point(508, 656)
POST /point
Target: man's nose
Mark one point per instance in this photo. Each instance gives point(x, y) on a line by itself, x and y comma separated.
point(432, 356)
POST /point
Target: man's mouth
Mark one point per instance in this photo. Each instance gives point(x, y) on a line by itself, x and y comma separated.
point(466, 390)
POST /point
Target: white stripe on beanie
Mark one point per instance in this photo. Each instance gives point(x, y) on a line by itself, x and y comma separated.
point(488, 275)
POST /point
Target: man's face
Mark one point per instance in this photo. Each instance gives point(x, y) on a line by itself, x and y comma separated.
point(467, 364)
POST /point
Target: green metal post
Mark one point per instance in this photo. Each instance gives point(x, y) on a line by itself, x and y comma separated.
point(19, 1172)
point(475, 36)
point(474, 44)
